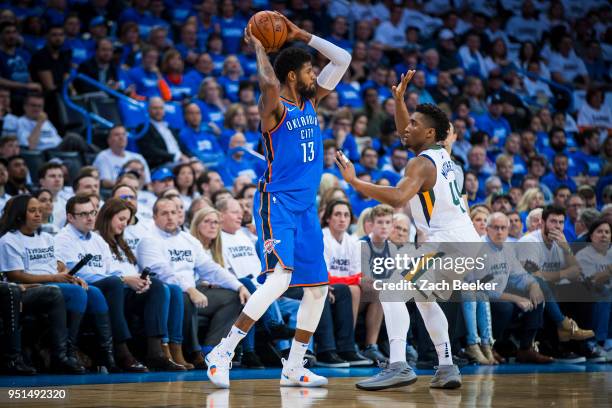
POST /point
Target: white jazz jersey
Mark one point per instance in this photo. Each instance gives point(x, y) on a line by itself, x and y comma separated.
point(441, 212)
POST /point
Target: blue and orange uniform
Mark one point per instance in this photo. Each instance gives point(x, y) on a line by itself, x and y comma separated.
point(286, 216)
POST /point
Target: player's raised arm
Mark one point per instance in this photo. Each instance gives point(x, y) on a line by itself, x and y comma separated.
point(270, 107)
point(416, 174)
point(402, 117)
point(333, 72)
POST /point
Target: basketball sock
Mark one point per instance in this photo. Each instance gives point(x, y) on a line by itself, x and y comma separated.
point(437, 327)
point(297, 353)
point(397, 348)
point(397, 322)
point(230, 343)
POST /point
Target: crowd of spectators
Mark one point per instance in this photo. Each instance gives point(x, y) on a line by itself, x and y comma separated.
point(526, 85)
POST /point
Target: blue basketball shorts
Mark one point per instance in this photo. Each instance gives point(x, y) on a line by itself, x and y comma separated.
point(292, 238)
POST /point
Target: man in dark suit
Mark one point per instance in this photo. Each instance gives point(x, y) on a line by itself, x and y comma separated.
point(160, 145)
point(100, 67)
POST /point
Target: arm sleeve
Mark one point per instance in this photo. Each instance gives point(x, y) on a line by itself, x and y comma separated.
point(340, 60)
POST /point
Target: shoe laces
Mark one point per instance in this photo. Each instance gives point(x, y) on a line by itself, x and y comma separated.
point(385, 368)
point(536, 346)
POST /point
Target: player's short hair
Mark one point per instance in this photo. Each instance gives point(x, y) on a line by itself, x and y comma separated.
point(381, 210)
point(437, 119)
point(290, 59)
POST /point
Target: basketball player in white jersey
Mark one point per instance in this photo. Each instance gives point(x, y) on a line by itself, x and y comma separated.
point(438, 209)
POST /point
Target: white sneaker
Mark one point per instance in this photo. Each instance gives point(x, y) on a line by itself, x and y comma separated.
point(219, 363)
point(300, 376)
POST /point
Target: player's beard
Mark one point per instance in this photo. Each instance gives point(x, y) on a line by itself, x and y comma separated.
point(305, 91)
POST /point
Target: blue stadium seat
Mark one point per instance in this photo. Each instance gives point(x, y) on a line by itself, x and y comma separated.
point(131, 116)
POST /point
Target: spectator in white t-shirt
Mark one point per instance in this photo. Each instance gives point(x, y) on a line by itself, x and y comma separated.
point(596, 264)
point(7, 119)
point(565, 65)
point(392, 33)
point(51, 177)
point(208, 289)
point(110, 161)
point(137, 228)
point(547, 255)
point(343, 259)
point(595, 114)
point(34, 130)
point(527, 26)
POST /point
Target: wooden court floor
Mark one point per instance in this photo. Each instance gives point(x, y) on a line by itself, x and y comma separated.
point(569, 390)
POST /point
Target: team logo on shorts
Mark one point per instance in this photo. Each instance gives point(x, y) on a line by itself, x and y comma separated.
point(269, 245)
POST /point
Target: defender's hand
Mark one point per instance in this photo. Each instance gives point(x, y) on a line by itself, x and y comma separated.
point(399, 90)
point(346, 167)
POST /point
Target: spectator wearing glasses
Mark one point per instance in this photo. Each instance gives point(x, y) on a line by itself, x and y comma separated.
point(72, 244)
point(29, 256)
point(110, 161)
point(178, 258)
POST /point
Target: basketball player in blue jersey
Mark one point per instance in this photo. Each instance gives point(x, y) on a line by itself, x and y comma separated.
point(430, 187)
point(288, 228)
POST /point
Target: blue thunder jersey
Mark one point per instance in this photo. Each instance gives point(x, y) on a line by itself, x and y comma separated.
point(294, 151)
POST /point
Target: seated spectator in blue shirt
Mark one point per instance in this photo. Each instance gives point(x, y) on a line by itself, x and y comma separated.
point(476, 162)
point(369, 164)
point(378, 81)
point(586, 160)
point(248, 61)
point(339, 31)
point(493, 123)
point(210, 102)
point(172, 67)
point(231, 27)
point(140, 14)
point(147, 79)
point(81, 49)
point(557, 143)
point(235, 122)
point(349, 92)
point(471, 185)
point(418, 85)
point(14, 61)
point(504, 169)
point(512, 148)
point(394, 170)
point(214, 46)
point(202, 69)
point(574, 205)
point(558, 176)
point(431, 60)
point(188, 47)
point(329, 158)
point(199, 142)
point(360, 202)
point(340, 131)
point(252, 131)
point(131, 53)
point(230, 78)
point(238, 162)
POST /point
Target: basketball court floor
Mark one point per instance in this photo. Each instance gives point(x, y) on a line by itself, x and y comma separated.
point(511, 385)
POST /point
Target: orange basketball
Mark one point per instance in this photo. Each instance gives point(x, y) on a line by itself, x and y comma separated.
point(270, 29)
